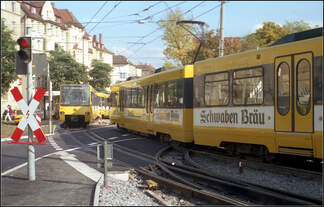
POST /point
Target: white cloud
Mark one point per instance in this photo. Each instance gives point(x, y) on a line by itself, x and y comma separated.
point(313, 24)
point(255, 27)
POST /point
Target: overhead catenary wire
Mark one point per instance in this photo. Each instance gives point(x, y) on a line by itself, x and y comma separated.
point(96, 13)
point(115, 6)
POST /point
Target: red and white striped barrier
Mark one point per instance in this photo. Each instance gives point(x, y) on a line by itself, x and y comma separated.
point(28, 117)
point(39, 119)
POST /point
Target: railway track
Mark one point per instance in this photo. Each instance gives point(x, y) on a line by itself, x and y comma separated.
point(236, 189)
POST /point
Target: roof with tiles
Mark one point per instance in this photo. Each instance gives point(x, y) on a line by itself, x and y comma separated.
point(120, 60)
point(64, 15)
point(68, 18)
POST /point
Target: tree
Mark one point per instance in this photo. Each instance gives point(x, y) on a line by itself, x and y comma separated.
point(250, 42)
point(269, 33)
point(8, 60)
point(100, 75)
point(296, 26)
point(265, 36)
point(168, 64)
point(210, 47)
point(64, 69)
point(178, 41)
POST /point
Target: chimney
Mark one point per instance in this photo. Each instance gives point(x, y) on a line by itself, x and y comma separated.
point(94, 40)
point(100, 40)
point(53, 5)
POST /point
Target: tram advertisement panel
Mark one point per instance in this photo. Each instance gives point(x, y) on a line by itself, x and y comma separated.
point(241, 117)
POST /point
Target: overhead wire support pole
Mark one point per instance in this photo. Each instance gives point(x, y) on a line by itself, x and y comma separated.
point(221, 41)
point(201, 40)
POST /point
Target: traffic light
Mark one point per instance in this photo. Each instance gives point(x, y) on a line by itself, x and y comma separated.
point(25, 51)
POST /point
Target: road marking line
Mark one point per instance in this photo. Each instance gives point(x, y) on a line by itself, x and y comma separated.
point(22, 165)
point(112, 138)
point(83, 168)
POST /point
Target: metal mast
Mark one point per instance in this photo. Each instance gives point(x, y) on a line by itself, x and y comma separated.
point(221, 41)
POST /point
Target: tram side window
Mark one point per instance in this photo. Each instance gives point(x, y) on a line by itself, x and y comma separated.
point(93, 98)
point(128, 97)
point(140, 97)
point(160, 98)
point(283, 103)
point(174, 93)
point(113, 99)
point(248, 87)
point(318, 80)
point(217, 89)
point(134, 97)
point(199, 91)
point(303, 87)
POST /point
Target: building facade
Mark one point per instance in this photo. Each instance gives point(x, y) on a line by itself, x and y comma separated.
point(49, 28)
point(123, 69)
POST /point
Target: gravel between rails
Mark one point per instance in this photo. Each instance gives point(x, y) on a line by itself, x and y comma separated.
point(311, 186)
point(126, 193)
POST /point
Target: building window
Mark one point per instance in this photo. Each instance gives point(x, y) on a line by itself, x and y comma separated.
point(28, 31)
point(33, 10)
point(13, 6)
point(3, 4)
point(39, 44)
point(122, 75)
point(13, 26)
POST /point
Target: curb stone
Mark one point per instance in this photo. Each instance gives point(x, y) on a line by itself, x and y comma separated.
point(97, 191)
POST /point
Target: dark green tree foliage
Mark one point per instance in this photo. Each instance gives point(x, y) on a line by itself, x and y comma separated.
point(8, 60)
point(100, 75)
point(64, 69)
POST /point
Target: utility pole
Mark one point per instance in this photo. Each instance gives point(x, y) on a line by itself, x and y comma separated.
point(221, 41)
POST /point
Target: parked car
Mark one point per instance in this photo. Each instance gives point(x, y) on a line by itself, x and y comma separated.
point(20, 114)
point(18, 117)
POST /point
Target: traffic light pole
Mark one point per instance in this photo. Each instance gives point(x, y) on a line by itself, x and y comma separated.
point(31, 149)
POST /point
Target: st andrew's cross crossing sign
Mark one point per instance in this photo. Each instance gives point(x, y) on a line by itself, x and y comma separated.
point(29, 117)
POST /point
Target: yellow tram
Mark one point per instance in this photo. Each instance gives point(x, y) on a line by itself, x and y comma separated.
point(159, 104)
point(80, 104)
point(263, 101)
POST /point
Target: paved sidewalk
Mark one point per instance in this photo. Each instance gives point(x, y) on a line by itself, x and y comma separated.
point(57, 184)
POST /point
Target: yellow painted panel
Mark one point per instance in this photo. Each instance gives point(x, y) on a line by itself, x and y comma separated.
point(214, 136)
point(188, 71)
point(295, 140)
point(318, 144)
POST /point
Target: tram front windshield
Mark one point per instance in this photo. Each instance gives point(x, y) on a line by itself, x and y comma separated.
point(75, 96)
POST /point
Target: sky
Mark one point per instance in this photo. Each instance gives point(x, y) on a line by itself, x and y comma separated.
point(129, 28)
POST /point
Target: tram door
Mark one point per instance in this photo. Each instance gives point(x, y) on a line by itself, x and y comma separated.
point(294, 103)
point(149, 108)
